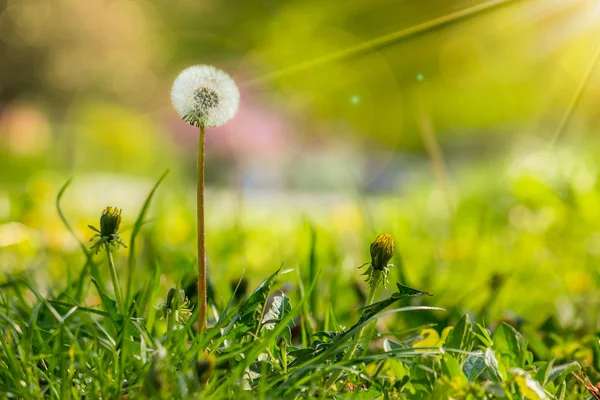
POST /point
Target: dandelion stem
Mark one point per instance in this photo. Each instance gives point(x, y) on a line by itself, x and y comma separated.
point(370, 299)
point(115, 279)
point(201, 235)
point(170, 324)
point(348, 356)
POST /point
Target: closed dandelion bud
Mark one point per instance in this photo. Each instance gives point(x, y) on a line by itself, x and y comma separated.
point(110, 221)
point(177, 306)
point(205, 367)
point(175, 298)
point(109, 229)
point(382, 251)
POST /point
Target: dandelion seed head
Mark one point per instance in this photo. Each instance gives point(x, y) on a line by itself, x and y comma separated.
point(205, 96)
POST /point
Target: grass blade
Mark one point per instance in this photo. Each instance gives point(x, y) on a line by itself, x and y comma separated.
point(136, 229)
point(89, 263)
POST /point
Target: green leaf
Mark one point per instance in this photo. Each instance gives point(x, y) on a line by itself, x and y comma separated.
point(300, 353)
point(562, 392)
point(474, 366)
point(484, 336)
point(403, 291)
point(279, 309)
point(326, 334)
point(109, 304)
point(496, 390)
point(249, 312)
point(529, 387)
point(451, 367)
point(560, 372)
point(424, 375)
point(596, 349)
point(462, 336)
point(543, 370)
point(491, 363)
point(254, 352)
point(388, 346)
point(510, 345)
point(482, 363)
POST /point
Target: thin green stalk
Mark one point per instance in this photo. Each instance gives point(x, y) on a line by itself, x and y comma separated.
point(348, 356)
point(139, 222)
point(170, 325)
point(370, 299)
point(201, 236)
point(312, 271)
point(283, 352)
point(115, 280)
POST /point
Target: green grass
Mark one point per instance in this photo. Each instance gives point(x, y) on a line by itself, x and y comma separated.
point(512, 312)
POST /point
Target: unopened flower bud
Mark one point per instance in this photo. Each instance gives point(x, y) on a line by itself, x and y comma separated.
point(109, 227)
point(382, 251)
point(110, 221)
point(177, 306)
point(175, 298)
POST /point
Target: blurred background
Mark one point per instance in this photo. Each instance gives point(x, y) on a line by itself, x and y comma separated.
point(467, 129)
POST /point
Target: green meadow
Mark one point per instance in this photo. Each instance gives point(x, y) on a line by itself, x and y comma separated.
point(401, 200)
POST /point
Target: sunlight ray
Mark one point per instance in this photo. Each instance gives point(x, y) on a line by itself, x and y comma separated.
point(383, 41)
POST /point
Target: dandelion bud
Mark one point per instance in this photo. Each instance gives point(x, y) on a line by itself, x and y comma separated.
point(175, 298)
point(177, 306)
point(110, 221)
point(382, 251)
point(205, 96)
point(109, 228)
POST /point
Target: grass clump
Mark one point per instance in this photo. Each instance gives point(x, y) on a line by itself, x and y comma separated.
point(268, 344)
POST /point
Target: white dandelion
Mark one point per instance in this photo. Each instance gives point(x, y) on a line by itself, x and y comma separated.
point(205, 96)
